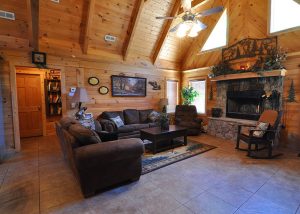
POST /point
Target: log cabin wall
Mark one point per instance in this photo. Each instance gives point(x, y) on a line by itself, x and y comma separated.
point(6, 121)
point(75, 72)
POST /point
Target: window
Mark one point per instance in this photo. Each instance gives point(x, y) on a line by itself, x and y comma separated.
point(285, 14)
point(200, 100)
point(218, 36)
point(172, 95)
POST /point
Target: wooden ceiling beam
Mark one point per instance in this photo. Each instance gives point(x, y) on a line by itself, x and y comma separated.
point(165, 32)
point(88, 26)
point(33, 23)
point(195, 3)
point(137, 11)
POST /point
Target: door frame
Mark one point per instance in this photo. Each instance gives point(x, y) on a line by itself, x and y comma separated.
point(41, 73)
point(14, 97)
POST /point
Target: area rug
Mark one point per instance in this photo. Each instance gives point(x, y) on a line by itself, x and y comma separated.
point(151, 162)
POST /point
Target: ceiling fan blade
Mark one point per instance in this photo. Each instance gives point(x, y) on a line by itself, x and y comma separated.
point(173, 29)
point(210, 11)
point(186, 5)
point(166, 17)
point(201, 25)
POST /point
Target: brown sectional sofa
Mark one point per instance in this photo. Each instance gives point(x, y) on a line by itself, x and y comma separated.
point(98, 165)
point(134, 121)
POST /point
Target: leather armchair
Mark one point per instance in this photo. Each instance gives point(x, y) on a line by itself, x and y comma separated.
point(186, 116)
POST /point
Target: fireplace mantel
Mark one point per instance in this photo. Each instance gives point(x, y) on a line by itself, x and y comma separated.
point(249, 75)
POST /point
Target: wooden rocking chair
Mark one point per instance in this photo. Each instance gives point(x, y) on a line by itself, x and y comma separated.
point(267, 140)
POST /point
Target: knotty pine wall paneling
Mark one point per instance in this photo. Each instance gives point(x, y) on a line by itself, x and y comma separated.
point(6, 119)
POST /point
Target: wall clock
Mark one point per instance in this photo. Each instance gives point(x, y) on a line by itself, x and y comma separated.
point(103, 90)
point(93, 81)
point(38, 58)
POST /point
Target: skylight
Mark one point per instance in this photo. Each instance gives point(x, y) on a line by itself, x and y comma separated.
point(285, 14)
point(218, 36)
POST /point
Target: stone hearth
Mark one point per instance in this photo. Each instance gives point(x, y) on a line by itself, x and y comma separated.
point(226, 128)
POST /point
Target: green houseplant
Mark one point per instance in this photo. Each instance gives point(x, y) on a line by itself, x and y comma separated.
point(164, 121)
point(188, 94)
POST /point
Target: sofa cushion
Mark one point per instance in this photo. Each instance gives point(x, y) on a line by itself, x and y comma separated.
point(140, 126)
point(118, 121)
point(153, 116)
point(131, 116)
point(144, 115)
point(111, 114)
point(66, 122)
point(98, 127)
point(83, 135)
point(126, 128)
point(153, 124)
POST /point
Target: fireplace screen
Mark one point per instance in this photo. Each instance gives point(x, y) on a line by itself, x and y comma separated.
point(244, 104)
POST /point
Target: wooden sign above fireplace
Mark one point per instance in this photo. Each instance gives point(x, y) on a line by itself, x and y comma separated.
point(247, 48)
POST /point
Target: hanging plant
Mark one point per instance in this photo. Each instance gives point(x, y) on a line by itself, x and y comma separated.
point(188, 94)
point(275, 59)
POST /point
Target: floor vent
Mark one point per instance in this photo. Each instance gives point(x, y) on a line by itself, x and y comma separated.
point(7, 15)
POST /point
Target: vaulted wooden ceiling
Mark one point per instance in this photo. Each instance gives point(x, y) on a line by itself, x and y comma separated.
point(77, 28)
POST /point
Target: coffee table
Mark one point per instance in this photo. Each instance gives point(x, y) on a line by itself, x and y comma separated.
point(156, 135)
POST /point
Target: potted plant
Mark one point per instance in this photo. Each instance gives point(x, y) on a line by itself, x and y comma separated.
point(164, 121)
point(188, 94)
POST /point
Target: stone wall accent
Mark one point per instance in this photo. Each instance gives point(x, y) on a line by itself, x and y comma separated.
point(226, 128)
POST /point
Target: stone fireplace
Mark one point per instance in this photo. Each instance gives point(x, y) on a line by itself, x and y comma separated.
point(248, 98)
point(242, 101)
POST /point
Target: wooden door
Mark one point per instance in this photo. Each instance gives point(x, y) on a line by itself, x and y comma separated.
point(30, 105)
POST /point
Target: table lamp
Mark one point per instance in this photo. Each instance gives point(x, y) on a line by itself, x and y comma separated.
point(163, 103)
point(80, 96)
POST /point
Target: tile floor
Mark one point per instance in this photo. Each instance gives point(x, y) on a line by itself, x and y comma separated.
point(223, 180)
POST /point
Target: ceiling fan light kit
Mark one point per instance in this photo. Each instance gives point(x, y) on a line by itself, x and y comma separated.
point(190, 24)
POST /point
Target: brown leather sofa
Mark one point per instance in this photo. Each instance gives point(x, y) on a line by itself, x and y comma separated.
point(98, 165)
point(186, 116)
point(134, 121)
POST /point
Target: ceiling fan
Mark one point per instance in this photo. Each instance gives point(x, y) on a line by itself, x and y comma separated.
point(190, 24)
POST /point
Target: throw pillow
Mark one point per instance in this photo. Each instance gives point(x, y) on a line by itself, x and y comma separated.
point(153, 116)
point(118, 121)
point(260, 126)
point(83, 135)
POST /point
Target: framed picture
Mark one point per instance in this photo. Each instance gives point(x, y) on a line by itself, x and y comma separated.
point(123, 86)
point(39, 58)
point(93, 81)
point(103, 90)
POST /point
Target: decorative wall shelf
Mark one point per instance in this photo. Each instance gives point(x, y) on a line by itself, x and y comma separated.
point(248, 75)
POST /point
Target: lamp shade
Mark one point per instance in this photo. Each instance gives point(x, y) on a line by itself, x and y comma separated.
point(80, 95)
point(164, 101)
